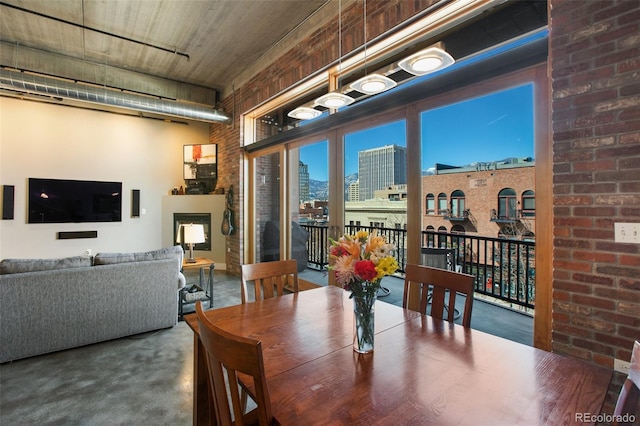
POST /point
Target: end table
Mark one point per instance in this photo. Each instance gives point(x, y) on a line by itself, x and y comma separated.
point(201, 263)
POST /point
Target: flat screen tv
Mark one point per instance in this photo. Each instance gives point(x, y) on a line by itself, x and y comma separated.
point(63, 201)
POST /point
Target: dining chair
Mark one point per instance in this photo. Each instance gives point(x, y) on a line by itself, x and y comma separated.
point(441, 258)
point(629, 399)
point(269, 278)
point(434, 284)
point(226, 352)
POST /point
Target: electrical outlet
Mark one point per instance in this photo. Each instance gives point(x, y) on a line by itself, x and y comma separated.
point(627, 233)
point(621, 366)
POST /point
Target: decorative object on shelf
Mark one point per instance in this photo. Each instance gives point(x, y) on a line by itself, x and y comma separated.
point(191, 234)
point(227, 221)
point(359, 263)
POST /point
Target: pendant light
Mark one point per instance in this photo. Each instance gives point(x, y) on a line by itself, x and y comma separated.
point(304, 113)
point(432, 59)
point(336, 99)
point(373, 83)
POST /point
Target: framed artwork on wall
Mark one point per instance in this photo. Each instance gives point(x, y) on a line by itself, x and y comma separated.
point(195, 218)
point(200, 161)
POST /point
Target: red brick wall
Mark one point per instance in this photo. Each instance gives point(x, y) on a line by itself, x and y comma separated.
point(595, 68)
point(595, 56)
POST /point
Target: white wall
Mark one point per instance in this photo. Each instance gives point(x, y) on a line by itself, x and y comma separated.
point(50, 141)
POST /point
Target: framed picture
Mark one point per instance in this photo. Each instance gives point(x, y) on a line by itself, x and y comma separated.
point(200, 161)
point(195, 218)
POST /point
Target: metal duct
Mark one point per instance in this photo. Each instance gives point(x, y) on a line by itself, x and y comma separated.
point(15, 80)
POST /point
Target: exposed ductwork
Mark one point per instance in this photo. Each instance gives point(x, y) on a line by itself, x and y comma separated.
point(30, 83)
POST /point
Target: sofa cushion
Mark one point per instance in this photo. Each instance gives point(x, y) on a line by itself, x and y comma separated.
point(16, 266)
point(163, 253)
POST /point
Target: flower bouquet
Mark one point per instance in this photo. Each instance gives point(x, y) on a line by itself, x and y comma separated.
point(360, 262)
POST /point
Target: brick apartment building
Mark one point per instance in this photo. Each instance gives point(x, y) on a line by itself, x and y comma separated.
point(490, 199)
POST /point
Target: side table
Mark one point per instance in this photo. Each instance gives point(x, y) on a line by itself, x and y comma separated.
point(201, 263)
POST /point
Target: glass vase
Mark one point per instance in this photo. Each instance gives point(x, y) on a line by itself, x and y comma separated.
point(363, 322)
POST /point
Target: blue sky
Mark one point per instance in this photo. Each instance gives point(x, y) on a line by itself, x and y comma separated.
point(484, 129)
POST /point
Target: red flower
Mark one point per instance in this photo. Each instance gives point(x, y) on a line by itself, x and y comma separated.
point(365, 269)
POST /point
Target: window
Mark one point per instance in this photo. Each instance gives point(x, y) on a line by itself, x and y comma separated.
point(507, 204)
point(528, 203)
point(442, 203)
point(458, 229)
point(457, 203)
point(431, 204)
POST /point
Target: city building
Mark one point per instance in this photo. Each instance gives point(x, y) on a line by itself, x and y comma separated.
point(379, 168)
point(304, 182)
point(490, 199)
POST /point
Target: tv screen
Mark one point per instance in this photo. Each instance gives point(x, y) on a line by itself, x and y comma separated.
point(62, 201)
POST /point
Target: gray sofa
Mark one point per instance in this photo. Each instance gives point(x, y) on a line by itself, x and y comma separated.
point(48, 305)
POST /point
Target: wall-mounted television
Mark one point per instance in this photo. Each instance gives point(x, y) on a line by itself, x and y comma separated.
point(63, 201)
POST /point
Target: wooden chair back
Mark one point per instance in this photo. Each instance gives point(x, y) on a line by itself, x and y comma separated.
point(442, 282)
point(269, 278)
point(234, 354)
point(628, 404)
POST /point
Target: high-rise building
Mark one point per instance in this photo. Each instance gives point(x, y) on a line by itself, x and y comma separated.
point(381, 167)
point(303, 176)
point(354, 191)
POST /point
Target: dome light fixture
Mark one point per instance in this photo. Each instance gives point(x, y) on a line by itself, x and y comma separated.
point(426, 61)
point(373, 84)
point(304, 113)
point(334, 100)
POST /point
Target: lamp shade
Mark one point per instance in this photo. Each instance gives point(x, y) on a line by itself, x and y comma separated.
point(193, 234)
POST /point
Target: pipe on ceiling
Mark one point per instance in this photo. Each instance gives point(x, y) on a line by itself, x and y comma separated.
point(20, 81)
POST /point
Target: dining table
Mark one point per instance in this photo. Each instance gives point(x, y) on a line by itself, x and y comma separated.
point(423, 370)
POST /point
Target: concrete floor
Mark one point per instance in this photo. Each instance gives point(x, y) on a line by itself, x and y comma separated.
point(145, 379)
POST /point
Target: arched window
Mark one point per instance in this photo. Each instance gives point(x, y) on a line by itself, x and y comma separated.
point(507, 204)
point(528, 203)
point(442, 229)
point(431, 204)
point(458, 229)
point(442, 203)
point(430, 238)
point(457, 203)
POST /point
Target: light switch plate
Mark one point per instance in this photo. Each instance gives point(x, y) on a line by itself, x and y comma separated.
point(627, 233)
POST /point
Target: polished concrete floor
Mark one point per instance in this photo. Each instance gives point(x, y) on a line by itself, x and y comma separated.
point(145, 379)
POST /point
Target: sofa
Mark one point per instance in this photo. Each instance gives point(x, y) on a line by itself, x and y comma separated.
point(48, 305)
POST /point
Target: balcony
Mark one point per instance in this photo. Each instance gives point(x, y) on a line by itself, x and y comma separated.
point(504, 268)
point(456, 216)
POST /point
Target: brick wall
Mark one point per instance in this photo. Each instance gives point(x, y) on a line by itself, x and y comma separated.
point(595, 70)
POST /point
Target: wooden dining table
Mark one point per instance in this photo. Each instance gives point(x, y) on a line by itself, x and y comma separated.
point(423, 370)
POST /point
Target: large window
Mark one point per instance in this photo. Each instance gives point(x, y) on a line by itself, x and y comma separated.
point(457, 204)
point(528, 203)
point(507, 204)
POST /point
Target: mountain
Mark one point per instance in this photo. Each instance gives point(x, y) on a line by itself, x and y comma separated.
point(319, 190)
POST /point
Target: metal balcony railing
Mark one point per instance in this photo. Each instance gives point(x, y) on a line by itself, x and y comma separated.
point(504, 268)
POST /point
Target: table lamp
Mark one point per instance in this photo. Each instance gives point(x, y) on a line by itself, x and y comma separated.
point(190, 234)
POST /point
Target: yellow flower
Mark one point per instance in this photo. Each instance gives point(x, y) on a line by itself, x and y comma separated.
point(362, 235)
point(386, 266)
